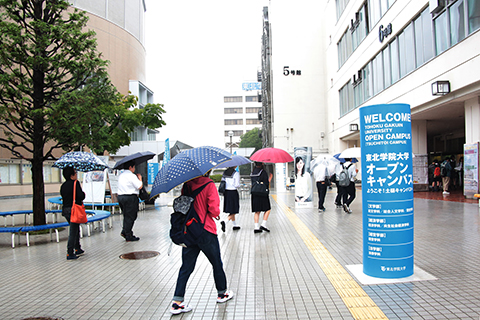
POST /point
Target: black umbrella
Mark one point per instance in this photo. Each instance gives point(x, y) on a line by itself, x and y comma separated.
point(138, 157)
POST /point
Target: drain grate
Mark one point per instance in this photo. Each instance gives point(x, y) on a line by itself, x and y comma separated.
point(137, 255)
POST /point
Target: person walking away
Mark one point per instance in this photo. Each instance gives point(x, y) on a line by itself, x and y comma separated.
point(66, 191)
point(320, 173)
point(231, 198)
point(260, 203)
point(437, 177)
point(207, 206)
point(348, 192)
point(339, 196)
point(129, 185)
point(446, 170)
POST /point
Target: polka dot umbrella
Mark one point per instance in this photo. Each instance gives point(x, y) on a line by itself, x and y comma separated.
point(81, 161)
point(186, 166)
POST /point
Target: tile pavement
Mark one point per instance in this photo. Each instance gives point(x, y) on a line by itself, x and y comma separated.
point(273, 275)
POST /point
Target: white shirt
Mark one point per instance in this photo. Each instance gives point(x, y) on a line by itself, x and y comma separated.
point(303, 185)
point(128, 183)
point(319, 172)
point(232, 183)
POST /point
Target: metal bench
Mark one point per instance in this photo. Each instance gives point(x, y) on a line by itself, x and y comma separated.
point(13, 230)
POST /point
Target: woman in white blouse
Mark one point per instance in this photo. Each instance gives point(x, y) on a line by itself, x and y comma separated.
point(231, 199)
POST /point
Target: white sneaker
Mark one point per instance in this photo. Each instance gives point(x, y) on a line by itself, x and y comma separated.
point(179, 308)
point(446, 192)
point(225, 297)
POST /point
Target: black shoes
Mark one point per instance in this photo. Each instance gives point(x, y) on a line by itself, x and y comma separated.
point(72, 256)
point(223, 225)
point(79, 252)
point(236, 227)
point(264, 229)
point(132, 238)
point(257, 230)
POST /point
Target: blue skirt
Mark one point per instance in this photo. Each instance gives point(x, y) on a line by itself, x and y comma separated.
point(231, 202)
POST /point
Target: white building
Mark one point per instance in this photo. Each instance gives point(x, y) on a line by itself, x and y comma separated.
point(328, 58)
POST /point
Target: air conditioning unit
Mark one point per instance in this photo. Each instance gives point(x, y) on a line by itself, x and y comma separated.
point(436, 6)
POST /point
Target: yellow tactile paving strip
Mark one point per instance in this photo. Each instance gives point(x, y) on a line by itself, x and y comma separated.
point(355, 298)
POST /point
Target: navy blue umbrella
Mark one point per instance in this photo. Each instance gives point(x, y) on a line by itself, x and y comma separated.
point(138, 157)
point(342, 160)
point(186, 166)
point(80, 161)
point(235, 162)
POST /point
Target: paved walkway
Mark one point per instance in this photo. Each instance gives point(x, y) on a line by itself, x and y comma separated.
point(293, 272)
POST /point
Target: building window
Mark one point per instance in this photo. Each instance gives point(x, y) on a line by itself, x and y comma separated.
point(457, 23)
point(424, 44)
point(344, 47)
point(450, 24)
point(253, 121)
point(341, 5)
point(346, 99)
point(406, 44)
point(253, 109)
point(473, 16)
point(232, 110)
point(233, 121)
point(251, 98)
point(233, 99)
point(377, 9)
point(236, 133)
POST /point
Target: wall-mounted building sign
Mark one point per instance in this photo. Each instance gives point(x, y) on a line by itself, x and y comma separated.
point(288, 72)
point(384, 32)
point(250, 86)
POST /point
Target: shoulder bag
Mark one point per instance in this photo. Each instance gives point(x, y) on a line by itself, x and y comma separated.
point(221, 187)
point(78, 214)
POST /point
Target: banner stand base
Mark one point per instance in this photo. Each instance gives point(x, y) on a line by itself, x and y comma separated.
point(418, 275)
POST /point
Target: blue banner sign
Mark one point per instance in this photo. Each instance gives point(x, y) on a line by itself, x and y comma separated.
point(166, 155)
point(250, 86)
point(152, 172)
point(387, 190)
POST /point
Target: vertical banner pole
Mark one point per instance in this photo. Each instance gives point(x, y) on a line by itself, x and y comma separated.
point(387, 190)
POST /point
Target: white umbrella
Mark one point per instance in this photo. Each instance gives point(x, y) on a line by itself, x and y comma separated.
point(351, 153)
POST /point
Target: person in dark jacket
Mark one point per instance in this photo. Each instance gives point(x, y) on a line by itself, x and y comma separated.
point(66, 191)
point(260, 203)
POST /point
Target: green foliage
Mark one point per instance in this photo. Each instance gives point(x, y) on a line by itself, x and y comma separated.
point(251, 139)
point(54, 89)
point(216, 177)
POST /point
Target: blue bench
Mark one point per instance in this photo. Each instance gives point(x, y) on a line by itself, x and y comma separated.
point(58, 202)
point(94, 216)
point(13, 231)
point(12, 213)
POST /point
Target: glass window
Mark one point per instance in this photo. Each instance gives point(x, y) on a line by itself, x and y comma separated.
point(457, 22)
point(340, 4)
point(473, 15)
point(9, 173)
point(367, 82)
point(377, 74)
point(251, 98)
point(253, 109)
point(374, 12)
point(233, 99)
point(236, 133)
point(423, 38)
point(26, 173)
point(387, 71)
point(232, 110)
point(253, 121)
point(395, 60)
point(407, 52)
point(441, 34)
point(233, 121)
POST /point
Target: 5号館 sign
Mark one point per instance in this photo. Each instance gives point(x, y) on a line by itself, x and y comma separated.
point(387, 190)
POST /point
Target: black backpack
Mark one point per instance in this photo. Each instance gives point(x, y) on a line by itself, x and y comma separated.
point(186, 226)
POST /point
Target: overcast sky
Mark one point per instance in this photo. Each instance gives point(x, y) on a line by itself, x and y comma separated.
point(197, 52)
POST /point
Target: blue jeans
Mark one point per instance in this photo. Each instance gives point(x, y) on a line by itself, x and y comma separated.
point(209, 245)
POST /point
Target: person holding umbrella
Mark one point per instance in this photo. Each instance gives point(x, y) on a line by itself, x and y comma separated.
point(207, 206)
point(129, 185)
point(260, 203)
point(66, 191)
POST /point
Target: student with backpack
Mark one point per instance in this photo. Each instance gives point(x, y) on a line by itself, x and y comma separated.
point(446, 171)
point(346, 179)
point(437, 177)
point(207, 205)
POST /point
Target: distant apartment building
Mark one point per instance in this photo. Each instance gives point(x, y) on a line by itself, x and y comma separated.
point(242, 112)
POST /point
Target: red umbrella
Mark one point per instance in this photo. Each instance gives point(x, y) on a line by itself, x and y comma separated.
point(271, 155)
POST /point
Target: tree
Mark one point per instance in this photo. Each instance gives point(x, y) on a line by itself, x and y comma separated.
point(251, 139)
point(54, 89)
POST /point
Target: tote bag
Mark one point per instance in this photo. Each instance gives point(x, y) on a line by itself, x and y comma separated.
point(78, 214)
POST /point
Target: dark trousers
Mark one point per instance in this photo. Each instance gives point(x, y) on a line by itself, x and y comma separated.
point(322, 191)
point(74, 232)
point(338, 198)
point(129, 206)
point(348, 193)
point(208, 244)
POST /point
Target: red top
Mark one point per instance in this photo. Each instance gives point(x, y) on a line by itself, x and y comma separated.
point(206, 201)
